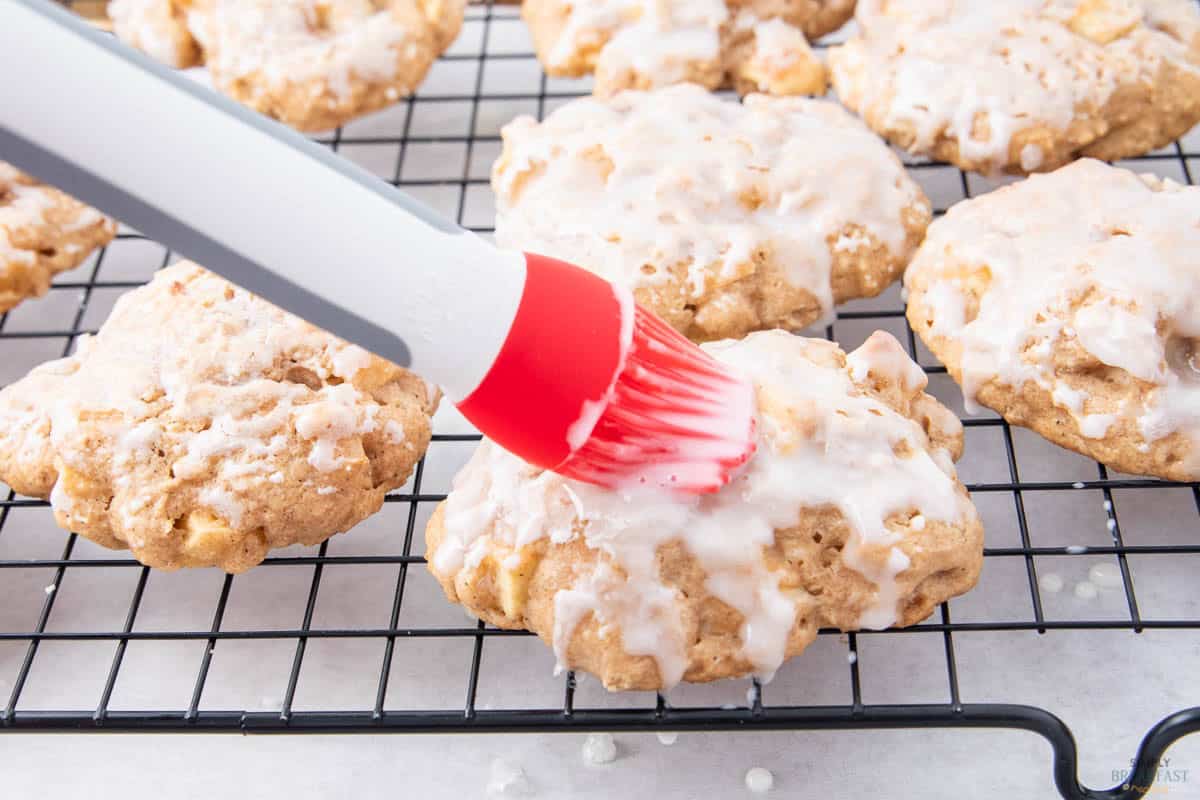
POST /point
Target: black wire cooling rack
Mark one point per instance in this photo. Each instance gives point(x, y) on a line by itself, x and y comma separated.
point(439, 145)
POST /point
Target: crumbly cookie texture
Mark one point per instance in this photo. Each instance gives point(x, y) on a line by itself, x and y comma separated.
point(1070, 303)
point(42, 232)
point(203, 426)
point(850, 515)
point(1023, 85)
point(753, 45)
point(314, 64)
point(723, 218)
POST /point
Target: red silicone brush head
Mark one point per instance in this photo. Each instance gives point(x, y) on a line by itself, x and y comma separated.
point(597, 389)
point(675, 418)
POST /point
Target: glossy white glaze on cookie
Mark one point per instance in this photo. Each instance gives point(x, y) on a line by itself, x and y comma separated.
point(655, 38)
point(645, 44)
point(203, 426)
point(968, 80)
point(640, 185)
point(825, 442)
point(42, 232)
point(281, 42)
point(1059, 278)
point(310, 63)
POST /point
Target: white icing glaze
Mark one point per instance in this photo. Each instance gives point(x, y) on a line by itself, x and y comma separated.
point(933, 65)
point(25, 205)
point(683, 162)
point(845, 456)
point(151, 26)
point(276, 44)
point(283, 42)
point(666, 38)
point(207, 374)
point(650, 43)
point(1091, 256)
point(394, 432)
point(655, 38)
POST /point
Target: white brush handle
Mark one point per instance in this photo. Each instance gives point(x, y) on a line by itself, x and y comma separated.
point(250, 199)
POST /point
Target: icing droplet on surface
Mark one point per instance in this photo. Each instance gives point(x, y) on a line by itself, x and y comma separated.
point(1076, 549)
point(1051, 582)
point(1085, 590)
point(667, 737)
point(759, 780)
point(599, 748)
point(982, 73)
point(507, 779)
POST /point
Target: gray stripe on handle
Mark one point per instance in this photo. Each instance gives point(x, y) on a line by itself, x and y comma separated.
point(206, 251)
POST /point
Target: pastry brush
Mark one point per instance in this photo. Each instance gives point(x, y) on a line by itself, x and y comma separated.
point(548, 360)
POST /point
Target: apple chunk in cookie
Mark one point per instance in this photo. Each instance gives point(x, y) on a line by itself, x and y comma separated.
point(756, 46)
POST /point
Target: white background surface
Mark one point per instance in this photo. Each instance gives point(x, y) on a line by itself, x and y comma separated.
point(1109, 686)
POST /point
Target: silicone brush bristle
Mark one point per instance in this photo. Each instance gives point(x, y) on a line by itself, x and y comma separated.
point(676, 418)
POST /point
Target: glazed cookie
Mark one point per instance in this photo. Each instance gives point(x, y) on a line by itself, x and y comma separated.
point(314, 64)
point(1023, 85)
point(849, 515)
point(1070, 303)
point(42, 232)
point(754, 45)
point(202, 427)
point(722, 217)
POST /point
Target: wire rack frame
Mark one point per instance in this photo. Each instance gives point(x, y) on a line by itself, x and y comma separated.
point(758, 714)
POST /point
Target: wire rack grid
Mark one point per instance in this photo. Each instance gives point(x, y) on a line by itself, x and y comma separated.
point(353, 635)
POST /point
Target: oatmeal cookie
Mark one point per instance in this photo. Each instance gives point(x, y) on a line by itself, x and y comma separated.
point(754, 45)
point(1070, 304)
point(722, 217)
point(849, 515)
point(42, 232)
point(203, 426)
point(313, 64)
point(1023, 85)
